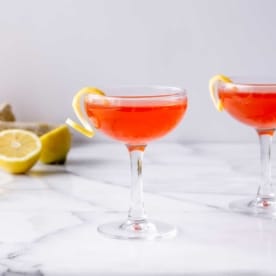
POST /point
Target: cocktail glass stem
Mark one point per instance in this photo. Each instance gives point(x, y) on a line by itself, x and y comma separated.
point(264, 203)
point(266, 191)
point(137, 218)
point(137, 225)
point(136, 211)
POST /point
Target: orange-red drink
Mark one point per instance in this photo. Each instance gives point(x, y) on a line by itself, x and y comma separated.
point(133, 120)
point(257, 109)
point(134, 115)
point(252, 102)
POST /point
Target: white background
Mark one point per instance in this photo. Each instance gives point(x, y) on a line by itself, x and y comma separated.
point(50, 49)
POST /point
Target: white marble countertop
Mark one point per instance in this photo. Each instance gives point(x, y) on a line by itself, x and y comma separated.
point(49, 217)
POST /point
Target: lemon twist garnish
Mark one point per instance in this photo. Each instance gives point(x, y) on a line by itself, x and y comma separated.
point(85, 128)
point(212, 88)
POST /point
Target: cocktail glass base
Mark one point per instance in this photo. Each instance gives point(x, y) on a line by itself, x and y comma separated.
point(263, 207)
point(138, 230)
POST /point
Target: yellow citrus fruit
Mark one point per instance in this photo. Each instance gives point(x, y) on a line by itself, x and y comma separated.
point(212, 88)
point(19, 150)
point(85, 128)
point(55, 145)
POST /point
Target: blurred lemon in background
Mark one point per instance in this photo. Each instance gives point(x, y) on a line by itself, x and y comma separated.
point(19, 150)
point(55, 145)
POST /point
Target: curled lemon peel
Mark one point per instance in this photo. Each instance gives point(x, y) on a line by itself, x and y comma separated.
point(212, 88)
point(85, 128)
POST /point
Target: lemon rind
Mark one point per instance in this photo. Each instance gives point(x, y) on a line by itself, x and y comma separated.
point(213, 81)
point(85, 128)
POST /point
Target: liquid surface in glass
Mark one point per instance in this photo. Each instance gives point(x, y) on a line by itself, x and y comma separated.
point(136, 120)
point(257, 109)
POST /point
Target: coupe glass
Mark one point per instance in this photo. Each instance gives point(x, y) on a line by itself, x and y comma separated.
point(252, 101)
point(136, 115)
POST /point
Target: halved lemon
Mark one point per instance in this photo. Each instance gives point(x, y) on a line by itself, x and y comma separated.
point(55, 145)
point(212, 88)
point(19, 150)
point(85, 128)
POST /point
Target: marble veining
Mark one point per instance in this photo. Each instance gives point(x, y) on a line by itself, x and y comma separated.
point(49, 217)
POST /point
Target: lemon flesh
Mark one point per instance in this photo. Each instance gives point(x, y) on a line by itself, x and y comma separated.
point(85, 129)
point(55, 145)
point(212, 88)
point(19, 150)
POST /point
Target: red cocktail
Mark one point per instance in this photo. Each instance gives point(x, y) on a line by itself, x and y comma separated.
point(133, 120)
point(256, 109)
point(135, 116)
point(253, 104)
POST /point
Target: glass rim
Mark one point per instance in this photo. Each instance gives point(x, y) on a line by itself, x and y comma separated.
point(167, 92)
point(251, 82)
